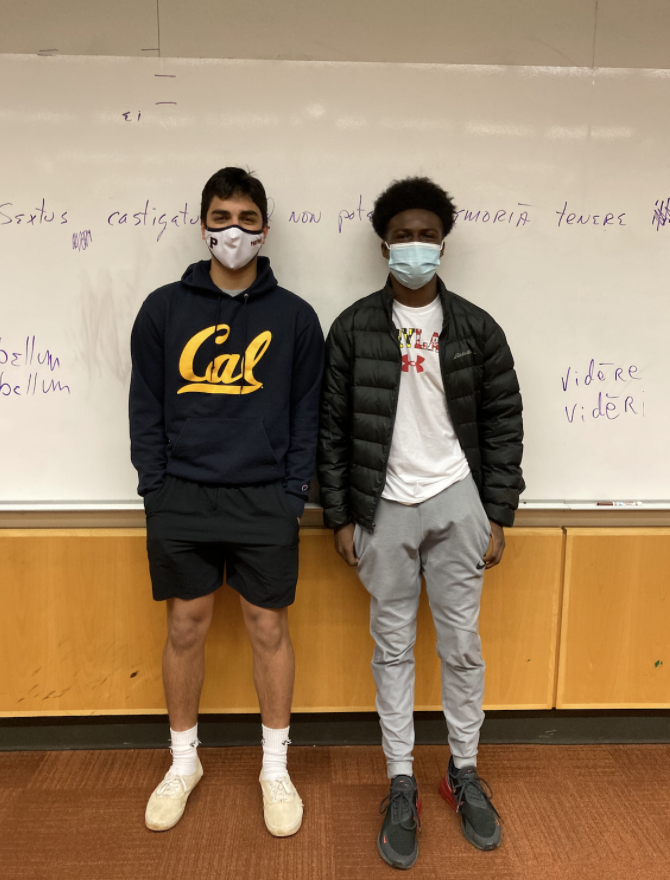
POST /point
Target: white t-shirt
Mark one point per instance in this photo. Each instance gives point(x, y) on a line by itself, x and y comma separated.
point(426, 457)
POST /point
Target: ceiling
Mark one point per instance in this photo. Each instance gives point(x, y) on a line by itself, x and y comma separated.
point(583, 33)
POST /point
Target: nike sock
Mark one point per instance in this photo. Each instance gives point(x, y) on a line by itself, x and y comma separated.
point(184, 751)
point(275, 747)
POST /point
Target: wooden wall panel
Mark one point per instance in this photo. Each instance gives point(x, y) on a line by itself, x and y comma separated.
point(615, 643)
point(329, 633)
point(81, 634)
point(518, 626)
point(520, 621)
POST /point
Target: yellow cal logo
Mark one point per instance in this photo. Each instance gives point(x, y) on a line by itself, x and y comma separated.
point(220, 376)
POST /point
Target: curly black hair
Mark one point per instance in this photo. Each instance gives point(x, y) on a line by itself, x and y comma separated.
point(413, 192)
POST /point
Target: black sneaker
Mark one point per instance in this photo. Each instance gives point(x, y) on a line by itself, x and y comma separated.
point(397, 842)
point(470, 796)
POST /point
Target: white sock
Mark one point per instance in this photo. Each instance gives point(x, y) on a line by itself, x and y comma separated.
point(459, 763)
point(275, 747)
point(184, 751)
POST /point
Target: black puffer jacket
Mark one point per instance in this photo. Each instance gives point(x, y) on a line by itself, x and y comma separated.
point(360, 397)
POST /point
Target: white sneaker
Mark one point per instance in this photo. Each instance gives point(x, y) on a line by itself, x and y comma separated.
point(168, 801)
point(282, 807)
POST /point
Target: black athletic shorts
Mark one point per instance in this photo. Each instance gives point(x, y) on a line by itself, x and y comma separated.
point(194, 532)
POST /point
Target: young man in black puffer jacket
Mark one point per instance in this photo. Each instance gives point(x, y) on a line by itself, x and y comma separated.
point(420, 468)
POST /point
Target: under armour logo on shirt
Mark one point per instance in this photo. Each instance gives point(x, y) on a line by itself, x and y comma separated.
point(407, 363)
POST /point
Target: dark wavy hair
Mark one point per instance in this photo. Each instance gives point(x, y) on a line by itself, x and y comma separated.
point(413, 192)
point(230, 182)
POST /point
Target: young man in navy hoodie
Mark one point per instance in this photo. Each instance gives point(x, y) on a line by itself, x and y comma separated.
point(223, 422)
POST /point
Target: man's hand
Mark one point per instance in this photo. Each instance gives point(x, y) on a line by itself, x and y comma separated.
point(344, 543)
point(496, 547)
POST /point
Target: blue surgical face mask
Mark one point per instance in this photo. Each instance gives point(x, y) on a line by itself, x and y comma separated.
point(414, 263)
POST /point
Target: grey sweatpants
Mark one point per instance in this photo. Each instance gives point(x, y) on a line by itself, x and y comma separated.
point(444, 538)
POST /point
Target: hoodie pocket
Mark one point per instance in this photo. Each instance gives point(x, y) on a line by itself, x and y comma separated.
point(154, 500)
point(217, 451)
point(285, 503)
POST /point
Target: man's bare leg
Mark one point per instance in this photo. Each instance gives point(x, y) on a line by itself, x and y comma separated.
point(184, 658)
point(274, 661)
point(183, 677)
point(274, 671)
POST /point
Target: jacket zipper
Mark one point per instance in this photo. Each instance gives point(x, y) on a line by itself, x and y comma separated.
point(445, 376)
point(395, 411)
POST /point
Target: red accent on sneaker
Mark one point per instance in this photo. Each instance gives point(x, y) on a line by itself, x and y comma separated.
point(419, 803)
point(447, 793)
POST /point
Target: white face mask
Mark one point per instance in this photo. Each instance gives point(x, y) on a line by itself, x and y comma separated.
point(233, 246)
point(414, 263)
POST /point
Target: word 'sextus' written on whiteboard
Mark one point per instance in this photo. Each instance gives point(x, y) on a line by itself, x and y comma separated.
point(159, 220)
point(561, 179)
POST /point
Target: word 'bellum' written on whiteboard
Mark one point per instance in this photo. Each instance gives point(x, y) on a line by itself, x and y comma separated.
point(26, 369)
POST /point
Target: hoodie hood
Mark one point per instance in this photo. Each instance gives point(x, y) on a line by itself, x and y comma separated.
point(197, 279)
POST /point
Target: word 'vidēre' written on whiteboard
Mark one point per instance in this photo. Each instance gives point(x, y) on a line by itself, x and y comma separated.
point(603, 390)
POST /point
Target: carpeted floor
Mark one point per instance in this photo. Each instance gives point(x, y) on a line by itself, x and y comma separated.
point(570, 813)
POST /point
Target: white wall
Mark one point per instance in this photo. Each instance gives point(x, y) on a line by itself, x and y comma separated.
point(563, 33)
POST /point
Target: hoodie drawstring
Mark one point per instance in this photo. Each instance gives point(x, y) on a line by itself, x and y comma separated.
point(244, 326)
point(212, 347)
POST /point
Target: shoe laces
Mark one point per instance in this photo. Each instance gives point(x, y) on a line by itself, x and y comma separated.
point(471, 780)
point(401, 801)
point(171, 786)
point(279, 790)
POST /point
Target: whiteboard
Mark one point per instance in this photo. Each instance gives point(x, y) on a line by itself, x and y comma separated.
point(561, 176)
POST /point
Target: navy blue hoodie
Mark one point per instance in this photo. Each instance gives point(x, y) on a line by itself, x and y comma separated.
point(225, 389)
